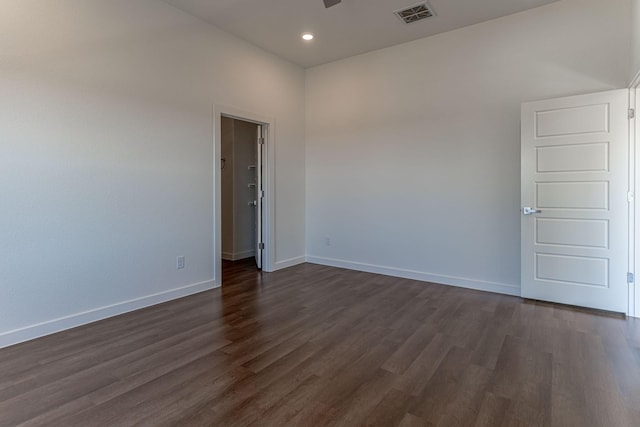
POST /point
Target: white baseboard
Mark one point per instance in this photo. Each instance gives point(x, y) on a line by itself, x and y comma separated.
point(481, 285)
point(238, 255)
point(56, 325)
point(60, 324)
point(279, 265)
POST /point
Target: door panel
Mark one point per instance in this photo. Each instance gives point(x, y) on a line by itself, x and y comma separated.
point(586, 233)
point(573, 195)
point(575, 179)
point(573, 158)
point(573, 270)
point(572, 120)
point(259, 196)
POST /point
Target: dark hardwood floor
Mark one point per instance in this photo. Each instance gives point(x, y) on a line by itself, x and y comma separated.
point(314, 345)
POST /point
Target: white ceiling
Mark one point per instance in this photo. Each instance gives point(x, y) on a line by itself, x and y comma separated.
point(347, 29)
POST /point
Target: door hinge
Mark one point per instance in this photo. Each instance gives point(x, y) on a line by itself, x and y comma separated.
point(632, 113)
point(260, 245)
point(630, 278)
point(262, 194)
point(261, 141)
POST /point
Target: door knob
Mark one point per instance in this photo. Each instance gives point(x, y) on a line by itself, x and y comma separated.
point(529, 210)
point(254, 203)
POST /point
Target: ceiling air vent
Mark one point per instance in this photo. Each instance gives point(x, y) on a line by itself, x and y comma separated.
point(415, 13)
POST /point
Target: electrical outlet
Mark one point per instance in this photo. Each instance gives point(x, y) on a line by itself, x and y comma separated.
point(180, 262)
point(327, 241)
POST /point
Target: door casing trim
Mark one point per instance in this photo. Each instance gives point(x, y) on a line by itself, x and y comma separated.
point(268, 180)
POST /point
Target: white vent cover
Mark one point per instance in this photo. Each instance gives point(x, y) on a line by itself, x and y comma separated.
point(415, 13)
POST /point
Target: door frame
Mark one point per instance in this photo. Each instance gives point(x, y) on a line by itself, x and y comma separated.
point(634, 182)
point(268, 184)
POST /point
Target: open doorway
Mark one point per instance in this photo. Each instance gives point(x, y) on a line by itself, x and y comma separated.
point(241, 190)
point(264, 175)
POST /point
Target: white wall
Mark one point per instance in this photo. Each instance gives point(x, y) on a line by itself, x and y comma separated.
point(635, 44)
point(413, 152)
point(227, 184)
point(106, 155)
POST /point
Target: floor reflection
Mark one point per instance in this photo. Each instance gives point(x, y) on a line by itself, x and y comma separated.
point(242, 283)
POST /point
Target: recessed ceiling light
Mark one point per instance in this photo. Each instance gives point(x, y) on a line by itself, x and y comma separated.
point(307, 36)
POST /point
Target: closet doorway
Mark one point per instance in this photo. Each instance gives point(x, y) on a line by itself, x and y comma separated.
point(242, 194)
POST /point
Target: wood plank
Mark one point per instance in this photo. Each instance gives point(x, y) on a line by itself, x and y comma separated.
point(315, 346)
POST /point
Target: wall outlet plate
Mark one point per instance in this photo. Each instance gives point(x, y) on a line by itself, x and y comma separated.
point(180, 262)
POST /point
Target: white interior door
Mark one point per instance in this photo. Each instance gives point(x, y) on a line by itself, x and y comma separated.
point(259, 197)
point(574, 200)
